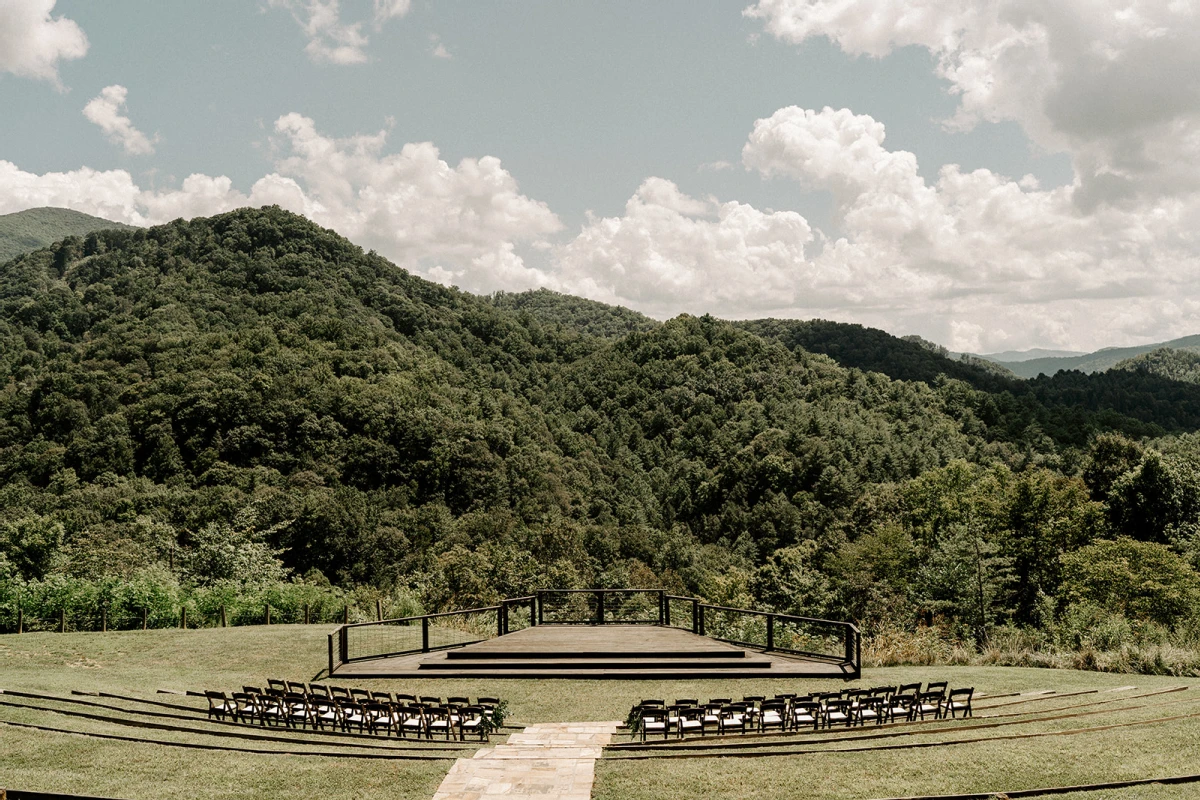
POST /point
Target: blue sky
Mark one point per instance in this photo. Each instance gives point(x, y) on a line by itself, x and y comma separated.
point(668, 156)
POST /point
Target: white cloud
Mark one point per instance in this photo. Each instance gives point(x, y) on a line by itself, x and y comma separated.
point(331, 39)
point(415, 208)
point(105, 111)
point(983, 254)
point(1112, 82)
point(32, 42)
point(671, 253)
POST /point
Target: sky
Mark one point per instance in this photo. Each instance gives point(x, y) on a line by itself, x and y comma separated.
point(989, 174)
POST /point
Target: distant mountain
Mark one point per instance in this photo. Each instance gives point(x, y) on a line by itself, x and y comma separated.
point(34, 228)
point(1028, 355)
point(1098, 361)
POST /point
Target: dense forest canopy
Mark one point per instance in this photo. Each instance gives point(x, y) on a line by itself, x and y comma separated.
point(250, 398)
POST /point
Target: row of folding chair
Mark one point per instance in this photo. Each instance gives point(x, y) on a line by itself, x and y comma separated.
point(366, 695)
point(784, 712)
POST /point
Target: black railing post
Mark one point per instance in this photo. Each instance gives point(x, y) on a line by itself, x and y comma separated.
point(331, 654)
point(533, 611)
point(20, 619)
point(344, 644)
point(540, 607)
point(501, 621)
point(424, 634)
point(696, 616)
point(600, 606)
point(701, 607)
point(770, 632)
point(662, 607)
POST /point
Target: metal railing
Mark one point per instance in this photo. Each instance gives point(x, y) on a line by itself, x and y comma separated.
point(821, 639)
point(600, 606)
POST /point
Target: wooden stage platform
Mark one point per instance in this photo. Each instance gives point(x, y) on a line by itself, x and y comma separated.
point(624, 652)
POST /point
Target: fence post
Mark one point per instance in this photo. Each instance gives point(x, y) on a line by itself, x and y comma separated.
point(666, 610)
point(662, 603)
point(378, 610)
point(345, 615)
point(534, 613)
point(424, 634)
point(20, 619)
point(702, 620)
point(770, 632)
point(267, 613)
point(696, 616)
point(502, 620)
point(600, 607)
point(224, 619)
point(103, 620)
point(344, 643)
point(331, 654)
point(62, 620)
point(540, 604)
point(183, 617)
point(306, 615)
point(145, 618)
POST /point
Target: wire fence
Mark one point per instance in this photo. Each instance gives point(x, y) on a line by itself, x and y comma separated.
point(600, 606)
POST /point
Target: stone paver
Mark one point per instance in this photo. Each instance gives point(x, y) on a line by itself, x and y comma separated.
point(551, 761)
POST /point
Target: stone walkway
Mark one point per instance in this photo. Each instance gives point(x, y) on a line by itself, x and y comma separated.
point(551, 761)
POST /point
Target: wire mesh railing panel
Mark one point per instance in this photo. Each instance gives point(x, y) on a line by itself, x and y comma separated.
point(631, 606)
point(680, 613)
point(383, 639)
point(559, 607)
point(458, 629)
point(736, 626)
point(809, 638)
point(520, 616)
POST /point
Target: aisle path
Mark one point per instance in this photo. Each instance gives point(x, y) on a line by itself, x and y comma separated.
point(551, 761)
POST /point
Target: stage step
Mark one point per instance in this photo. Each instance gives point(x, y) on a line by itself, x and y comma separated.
point(642, 663)
point(483, 653)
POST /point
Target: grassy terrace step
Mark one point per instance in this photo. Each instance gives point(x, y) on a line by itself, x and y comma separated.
point(137, 663)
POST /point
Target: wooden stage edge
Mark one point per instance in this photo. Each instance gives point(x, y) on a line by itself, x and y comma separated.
point(599, 652)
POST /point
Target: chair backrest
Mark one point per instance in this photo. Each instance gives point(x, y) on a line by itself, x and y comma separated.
point(838, 706)
point(882, 691)
point(931, 698)
point(318, 690)
point(874, 702)
point(806, 708)
point(405, 698)
point(296, 687)
point(361, 695)
point(488, 701)
point(753, 698)
point(723, 701)
point(786, 696)
point(651, 703)
point(275, 683)
point(909, 688)
point(252, 689)
point(687, 701)
point(936, 686)
point(458, 701)
point(339, 693)
point(853, 694)
point(954, 693)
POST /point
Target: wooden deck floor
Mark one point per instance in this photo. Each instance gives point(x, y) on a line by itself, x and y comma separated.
point(627, 652)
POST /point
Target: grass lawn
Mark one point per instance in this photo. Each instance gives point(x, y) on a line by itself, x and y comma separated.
point(139, 662)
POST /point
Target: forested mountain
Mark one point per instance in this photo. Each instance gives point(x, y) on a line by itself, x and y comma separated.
point(28, 230)
point(1165, 362)
point(575, 313)
point(369, 427)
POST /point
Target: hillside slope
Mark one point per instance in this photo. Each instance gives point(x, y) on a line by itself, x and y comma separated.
point(26, 231)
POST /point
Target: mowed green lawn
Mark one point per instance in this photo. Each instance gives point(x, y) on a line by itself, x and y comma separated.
point(139, 663)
